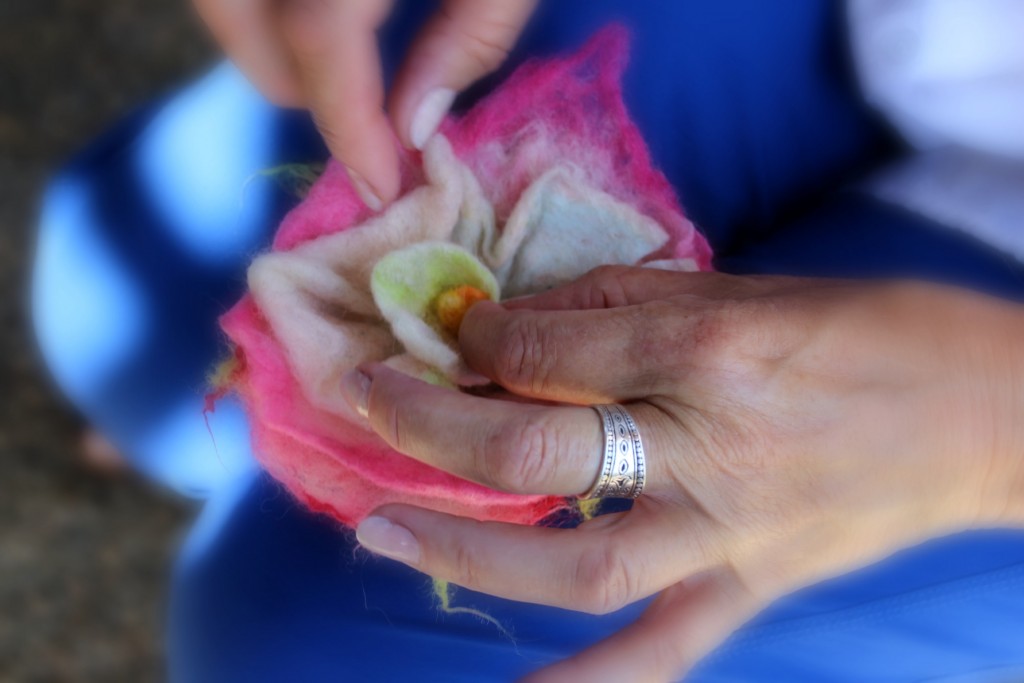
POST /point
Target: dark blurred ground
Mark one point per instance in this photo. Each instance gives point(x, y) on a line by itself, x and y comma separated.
point(84, 556)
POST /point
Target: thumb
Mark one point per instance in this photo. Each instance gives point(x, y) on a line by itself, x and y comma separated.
point(466, 41)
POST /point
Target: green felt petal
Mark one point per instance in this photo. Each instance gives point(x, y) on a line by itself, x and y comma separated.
point(409, 280)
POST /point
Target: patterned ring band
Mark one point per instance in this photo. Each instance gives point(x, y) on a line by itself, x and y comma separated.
point(623, 467)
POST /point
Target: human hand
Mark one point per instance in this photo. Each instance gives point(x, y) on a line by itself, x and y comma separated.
point(323, 54)
point(794, 429)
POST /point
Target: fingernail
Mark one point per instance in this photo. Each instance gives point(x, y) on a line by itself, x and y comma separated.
point(381, 536)
point(355, 387)
point(366, 193)
point(431, 113)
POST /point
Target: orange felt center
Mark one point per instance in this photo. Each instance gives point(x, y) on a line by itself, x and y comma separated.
point(451, 306)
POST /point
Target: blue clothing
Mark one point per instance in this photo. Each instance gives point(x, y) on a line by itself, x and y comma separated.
point(749, 109)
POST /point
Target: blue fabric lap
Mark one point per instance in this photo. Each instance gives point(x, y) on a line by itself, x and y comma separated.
point(278, 594)
point(854, 236)
point(747, 107)
point(268, 592)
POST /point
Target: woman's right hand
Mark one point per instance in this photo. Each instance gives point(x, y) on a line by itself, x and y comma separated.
point(323, 54)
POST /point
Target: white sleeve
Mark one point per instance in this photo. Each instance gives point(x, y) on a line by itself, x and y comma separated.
point(945, 72)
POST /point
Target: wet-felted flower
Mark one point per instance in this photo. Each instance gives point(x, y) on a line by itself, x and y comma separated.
point(538, 184)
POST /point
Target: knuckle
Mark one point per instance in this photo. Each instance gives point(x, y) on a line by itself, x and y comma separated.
point(392, 422)
point(486, 45)
point(486, 56)
point(522, 361)
point(716, 334)
point(671, 655)
point(341, 130)
point(604, 581)
point(328, 127)
point(608, 272)
point(605, 287)
point(465, 568)
point(663, 341)
point(519, 455)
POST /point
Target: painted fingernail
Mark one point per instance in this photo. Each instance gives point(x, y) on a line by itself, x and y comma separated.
point(365, 191)
point(432, 110)
point(383, 537)
point(355, 387)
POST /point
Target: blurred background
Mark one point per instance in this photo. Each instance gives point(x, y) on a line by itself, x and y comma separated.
point(84, 553)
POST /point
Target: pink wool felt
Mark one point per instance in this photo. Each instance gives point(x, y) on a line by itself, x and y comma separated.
point(549, 113)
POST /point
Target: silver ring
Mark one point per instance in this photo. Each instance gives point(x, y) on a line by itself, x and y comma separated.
point(623, 467)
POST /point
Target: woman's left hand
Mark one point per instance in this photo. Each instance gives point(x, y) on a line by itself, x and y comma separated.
point(794, 430)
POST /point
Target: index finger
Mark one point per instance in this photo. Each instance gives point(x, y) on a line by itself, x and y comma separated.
point(619, 286)
point(336, 53)
point(583, 357)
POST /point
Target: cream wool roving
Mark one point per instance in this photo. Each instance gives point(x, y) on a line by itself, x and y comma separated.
point(538, 184)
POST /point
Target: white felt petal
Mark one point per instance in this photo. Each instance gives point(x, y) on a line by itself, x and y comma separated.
point(562, 228)
point(476, 228)
point(317, 297)
point(322, 341)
